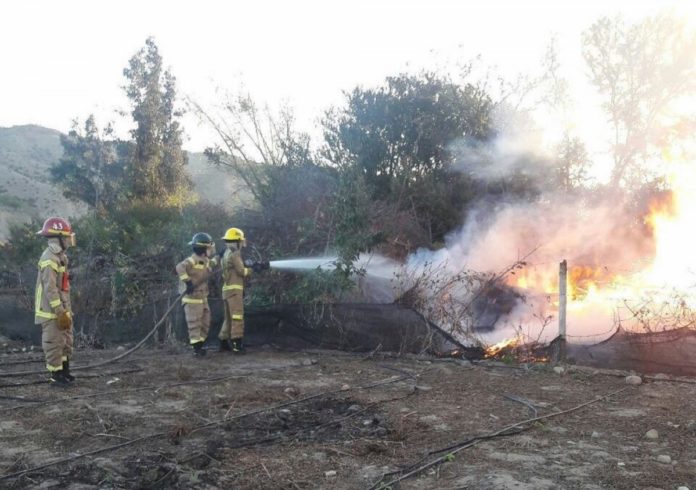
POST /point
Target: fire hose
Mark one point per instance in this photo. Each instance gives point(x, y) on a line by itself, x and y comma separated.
point(113, 359)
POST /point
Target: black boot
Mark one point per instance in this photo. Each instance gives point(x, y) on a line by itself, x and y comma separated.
point(66, 371)
point(238, 346)
point(225, 346)
point(59, 380)
point(198, 349)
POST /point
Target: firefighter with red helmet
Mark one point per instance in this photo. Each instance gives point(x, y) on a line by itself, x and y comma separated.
point(194, 273)
point(52, 308)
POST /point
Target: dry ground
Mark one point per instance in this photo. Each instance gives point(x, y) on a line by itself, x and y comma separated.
point(204, 435)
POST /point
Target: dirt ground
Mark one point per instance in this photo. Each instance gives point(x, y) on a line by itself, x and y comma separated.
point(252, 422)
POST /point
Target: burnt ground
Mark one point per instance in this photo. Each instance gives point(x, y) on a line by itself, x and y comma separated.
point(251, 422)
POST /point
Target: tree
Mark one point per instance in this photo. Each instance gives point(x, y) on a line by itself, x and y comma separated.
point(93, 166)
point(156, 172)
point(572, 163)
point(399, 137)
point(646, 74)
point(255, 140)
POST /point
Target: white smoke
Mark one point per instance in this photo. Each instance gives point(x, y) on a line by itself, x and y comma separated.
point(583, 228)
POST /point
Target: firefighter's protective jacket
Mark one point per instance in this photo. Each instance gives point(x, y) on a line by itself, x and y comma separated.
point(52, 286)
point(233, 272)
point(198, 270)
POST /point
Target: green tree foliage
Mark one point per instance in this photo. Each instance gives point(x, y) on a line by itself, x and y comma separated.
point(646, 72)
point(401, 131)
point(398, 137)
point(92, 169)
point(156, 172)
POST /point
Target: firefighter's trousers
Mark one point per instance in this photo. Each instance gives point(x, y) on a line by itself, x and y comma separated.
point(198, 320)
point(57, 344)
point(233, 326)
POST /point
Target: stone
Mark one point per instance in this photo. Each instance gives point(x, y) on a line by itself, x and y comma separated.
point(330, 474)
point(682, 488)
point(595, 435)
point(291, 391)
point(633, 380)
point(120, 348)
point(430, 420)
point(560, 370)
point(372, 472)
point(345, 387)
point(354, 408)
point(660, 376)
point(652, 434)
point(423, 388)
point(49, 484)
point(664, 459)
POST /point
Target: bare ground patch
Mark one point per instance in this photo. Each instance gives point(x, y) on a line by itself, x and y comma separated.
point(331, 420)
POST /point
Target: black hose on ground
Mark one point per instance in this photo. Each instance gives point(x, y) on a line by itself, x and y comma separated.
point(113, 359)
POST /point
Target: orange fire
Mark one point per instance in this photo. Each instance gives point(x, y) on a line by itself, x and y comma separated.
point(660, 207)
point(582, 279)
point(495, 349)
point(666, 275)
point(518, 349)
point(663, 219)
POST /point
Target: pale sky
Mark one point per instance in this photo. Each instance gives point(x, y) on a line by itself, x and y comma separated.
point(63, 59)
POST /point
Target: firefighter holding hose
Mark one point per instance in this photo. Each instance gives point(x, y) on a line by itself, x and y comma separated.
point(194, 273)
point(234, 273)
point(52, 308)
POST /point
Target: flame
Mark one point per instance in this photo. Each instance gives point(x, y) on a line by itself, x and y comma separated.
point(665, 276)
point(495, 349)
point(517, 348)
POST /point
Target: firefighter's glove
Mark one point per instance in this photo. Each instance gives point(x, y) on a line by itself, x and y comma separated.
point(189, 287)
point(249, 263)
point(64, 320)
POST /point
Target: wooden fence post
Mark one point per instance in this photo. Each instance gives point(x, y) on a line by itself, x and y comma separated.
point(562, 304)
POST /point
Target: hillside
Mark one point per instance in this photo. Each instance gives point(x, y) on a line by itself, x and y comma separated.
point(26, 153)
point(26, 191)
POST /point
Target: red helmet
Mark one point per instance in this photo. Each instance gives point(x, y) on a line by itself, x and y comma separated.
point(56, 227)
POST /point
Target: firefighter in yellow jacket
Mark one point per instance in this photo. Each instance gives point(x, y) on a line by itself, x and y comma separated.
point(52, 302)
point(194, 273)
point(234, 273)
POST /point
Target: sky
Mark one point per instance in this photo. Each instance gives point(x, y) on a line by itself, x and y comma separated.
point(64, 59)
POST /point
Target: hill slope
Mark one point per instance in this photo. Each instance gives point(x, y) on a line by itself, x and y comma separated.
point(26, 153)
point(26, 191)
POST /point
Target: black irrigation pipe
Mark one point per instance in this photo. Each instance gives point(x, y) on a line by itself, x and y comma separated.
point(113, 359)
point(144, 388)
point(85, 376)
point(158, 435)
point(31, 360)
point(515, 428)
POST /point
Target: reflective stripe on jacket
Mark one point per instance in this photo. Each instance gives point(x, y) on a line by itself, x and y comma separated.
point(198, 270)
point(52, 287)
point(233, 273)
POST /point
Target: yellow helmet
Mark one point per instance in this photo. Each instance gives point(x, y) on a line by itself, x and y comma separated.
point(233, 234)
